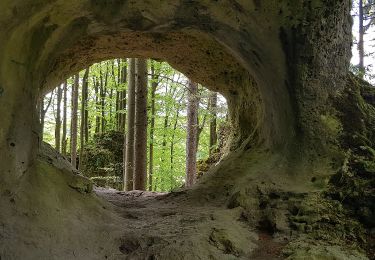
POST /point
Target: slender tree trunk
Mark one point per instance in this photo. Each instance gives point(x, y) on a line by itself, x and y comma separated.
point(361, 48)
point(64, 142)
point(118, 95)
point(73, 146)
point(213, 121)
point(83, 116)
point(117, 110)
point(140, 137)
point(168, 92)
point(154, 85)
point(173, 142)
point(101, 99)
point(43, 112)
point(192, 131)
point(110, 121)
point(165, 131)
point(86, 108)
point(58, 119)
point(113, 77)
point(122, 118)
point(200, 127)
point(103, 94)
point(129, 144)
point(123, 100)
point(166, 126)
point(41, 117)
point(97, 106)
point(155, 182)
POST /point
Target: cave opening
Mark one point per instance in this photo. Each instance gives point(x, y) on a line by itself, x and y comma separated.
point(102, 127)
point(258, 112)
point(271, 60)
point(296, 177)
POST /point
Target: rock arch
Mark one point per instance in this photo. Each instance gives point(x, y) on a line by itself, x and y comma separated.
point(279, 63)
point(233, 50)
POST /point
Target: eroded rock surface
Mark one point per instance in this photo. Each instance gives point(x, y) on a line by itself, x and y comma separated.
point(296, 122)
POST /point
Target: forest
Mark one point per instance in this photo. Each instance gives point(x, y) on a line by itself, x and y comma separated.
point(187, 130)
point(87, 119)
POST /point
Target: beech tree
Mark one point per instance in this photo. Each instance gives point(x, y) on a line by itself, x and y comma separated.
point(140, 137)
point(84, 116)
point(173, 139)
point(213, 120)
point(43, 110)
point(58, 119)
point(103, 94)
point(65, 105)
point(154, 85)
point(74, 127)
point(97, 104)
point(129, 145)
point(192, 134)
point(361, 48)
point(365, 12)
point(121, 97)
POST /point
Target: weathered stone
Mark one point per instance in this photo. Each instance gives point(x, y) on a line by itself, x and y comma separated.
point(283, 67)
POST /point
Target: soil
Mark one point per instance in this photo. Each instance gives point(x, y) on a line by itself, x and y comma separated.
point(167, 217)
point(269, 248)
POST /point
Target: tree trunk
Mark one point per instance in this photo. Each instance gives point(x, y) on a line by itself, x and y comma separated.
point(173, 141)
point(168, 93)
point(84, 115)
point(164, 140)
point(123, 100)
point(113, 77)
point(41, 117)
point(154, 85)
point(58, 119)
point(97, 105)
point(117, 110)
point(213, 121)
point(86, 130)
point(361, 47)
point(101, 99)
point(129, 143)
point(43, 112)
point(140, 137)
point(118, 85)
point(103, 94)
point(63, 141)
point(73, 146)
point(200, 127)
point(192, 132)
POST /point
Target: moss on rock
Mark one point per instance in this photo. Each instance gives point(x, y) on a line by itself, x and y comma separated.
point(49, 157)
point(102, 160)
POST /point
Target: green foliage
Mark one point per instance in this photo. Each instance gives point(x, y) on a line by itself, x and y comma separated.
point(103, 158)
point(354, 184)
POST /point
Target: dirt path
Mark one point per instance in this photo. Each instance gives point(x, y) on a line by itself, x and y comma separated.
point(167, 226)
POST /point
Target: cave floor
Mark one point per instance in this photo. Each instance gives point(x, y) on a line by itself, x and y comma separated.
point(170, 220)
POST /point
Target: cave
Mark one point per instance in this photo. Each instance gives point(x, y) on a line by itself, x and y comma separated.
point(283, 68)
